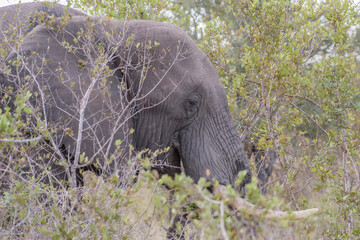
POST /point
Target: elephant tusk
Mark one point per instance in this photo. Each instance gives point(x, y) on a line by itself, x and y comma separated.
point(241, 204)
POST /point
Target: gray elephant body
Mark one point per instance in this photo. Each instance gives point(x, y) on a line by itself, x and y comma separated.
point(96, 79)
point(19, 19)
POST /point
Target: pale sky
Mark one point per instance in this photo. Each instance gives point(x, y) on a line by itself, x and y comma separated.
point(9, 2)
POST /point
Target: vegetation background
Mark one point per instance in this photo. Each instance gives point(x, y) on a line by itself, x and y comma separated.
point(291, 72)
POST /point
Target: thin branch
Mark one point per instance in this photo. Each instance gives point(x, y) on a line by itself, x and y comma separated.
point(313, 120)
point(307, 99)
point(302, 187)
point(21, 140)
point(236, 75)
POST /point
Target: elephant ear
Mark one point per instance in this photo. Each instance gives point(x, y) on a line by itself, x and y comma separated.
point(71, 71)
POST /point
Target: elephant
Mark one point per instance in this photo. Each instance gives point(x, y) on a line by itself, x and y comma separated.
point(102, 83)
point(111, 92)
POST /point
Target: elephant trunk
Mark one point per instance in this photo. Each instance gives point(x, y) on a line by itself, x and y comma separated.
point(215, 150)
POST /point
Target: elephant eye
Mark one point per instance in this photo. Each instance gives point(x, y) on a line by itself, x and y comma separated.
point(192, 107)
point(192, 102)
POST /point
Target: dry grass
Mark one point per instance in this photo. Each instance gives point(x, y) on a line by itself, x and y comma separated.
point(140, 216)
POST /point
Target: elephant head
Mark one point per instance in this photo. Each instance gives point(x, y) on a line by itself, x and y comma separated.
point(152, 78)
point(189, 109)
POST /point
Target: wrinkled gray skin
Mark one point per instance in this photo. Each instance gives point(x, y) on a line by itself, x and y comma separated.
point(181, 104)
point(16, 21)
point(26, 15)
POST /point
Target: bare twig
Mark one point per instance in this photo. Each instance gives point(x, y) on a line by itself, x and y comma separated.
point(313, 120)
point(305, 98)
point(21, 140)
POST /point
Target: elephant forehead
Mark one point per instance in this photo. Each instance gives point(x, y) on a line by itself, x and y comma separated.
point(157, 30)
point(192, 77)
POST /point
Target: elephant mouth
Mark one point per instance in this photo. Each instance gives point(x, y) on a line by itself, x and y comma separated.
point(172, 164)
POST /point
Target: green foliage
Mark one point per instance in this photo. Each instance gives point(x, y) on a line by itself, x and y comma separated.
point(290, 72)
point(127, 10)
point(291, 77)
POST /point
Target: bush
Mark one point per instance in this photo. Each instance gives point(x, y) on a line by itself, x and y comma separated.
point(291, 77)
